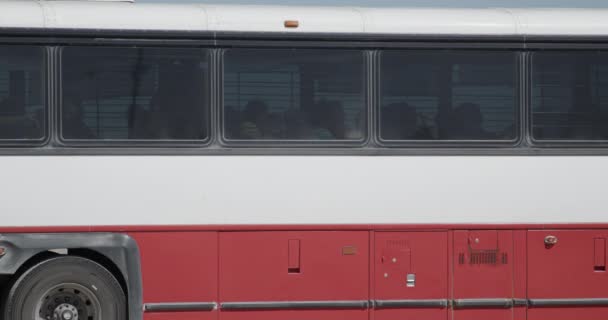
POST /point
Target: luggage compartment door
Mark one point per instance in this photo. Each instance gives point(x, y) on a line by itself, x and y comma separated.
point(295, 275)
point(567, 276)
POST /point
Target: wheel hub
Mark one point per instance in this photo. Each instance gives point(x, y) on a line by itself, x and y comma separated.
point(68, 301)
point(65, 311)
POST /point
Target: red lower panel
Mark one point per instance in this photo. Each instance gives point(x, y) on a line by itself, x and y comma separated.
point(483, 264)
point(418, 314)
point(519, 313)
point(485, 314)
point(588, 313)
point(178, 267)
point(294, 266)
point(573, 267)
point(296, 315)
point(181, 316)
point(420, 255)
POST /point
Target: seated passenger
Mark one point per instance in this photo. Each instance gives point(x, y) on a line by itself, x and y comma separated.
point(400, 122)
point(73, 126)
point(232, 120)
point(334, 118)
point(466, 123)
point(14, 123)
point(297, 125)
point(324, 121)
point(273, 127)
point(174, 115)
point(355, 129)
point(253, 119)
point(185, 119)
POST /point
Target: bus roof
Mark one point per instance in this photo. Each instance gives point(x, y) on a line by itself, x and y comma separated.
point(113, 15)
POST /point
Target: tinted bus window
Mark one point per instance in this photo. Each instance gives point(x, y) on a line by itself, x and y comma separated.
point(134, 94)
point(570, 96)
point(448, 95)
point(298, 95)
point(22, 106)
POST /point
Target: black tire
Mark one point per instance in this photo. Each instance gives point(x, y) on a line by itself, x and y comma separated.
point(66, 280)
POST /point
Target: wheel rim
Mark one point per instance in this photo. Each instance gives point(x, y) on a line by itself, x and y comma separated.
point(68, 301)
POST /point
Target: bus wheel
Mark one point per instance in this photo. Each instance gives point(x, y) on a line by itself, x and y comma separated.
point(66, 288)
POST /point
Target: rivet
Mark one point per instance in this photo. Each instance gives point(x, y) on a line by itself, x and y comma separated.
point(386, 275)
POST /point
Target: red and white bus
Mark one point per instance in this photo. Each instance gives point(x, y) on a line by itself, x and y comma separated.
point(181, 162)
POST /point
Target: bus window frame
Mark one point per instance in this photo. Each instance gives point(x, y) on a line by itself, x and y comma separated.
point(519, 106)
point(367, 82)
point(46, 91)
point(52, 39)
point(135, 143)
point(557, 143)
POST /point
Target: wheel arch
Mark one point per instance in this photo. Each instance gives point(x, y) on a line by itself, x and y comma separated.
point(116, 252)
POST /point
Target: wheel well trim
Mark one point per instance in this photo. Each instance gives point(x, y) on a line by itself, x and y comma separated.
point(121, 249)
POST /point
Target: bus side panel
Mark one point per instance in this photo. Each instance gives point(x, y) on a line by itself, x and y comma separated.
point(423, 256)
point(583, 313)
point(569, 268)
point(295, 315)
point(179, 267)
point(182, 315)
point(411, 313)
point(294, 266)
point(572, 268)
point(483, 269)
point(519, 272)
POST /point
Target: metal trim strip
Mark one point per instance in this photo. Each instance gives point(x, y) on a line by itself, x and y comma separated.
point(375, 304)
point(179, 306)
point(482, 303)
point(583, 302)
point(520, 302)
point(293, 305)
point(299, 36)
point(402, 304)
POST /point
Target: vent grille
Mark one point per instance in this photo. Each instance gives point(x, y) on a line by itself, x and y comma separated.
point(484, 257)
point(397, 243)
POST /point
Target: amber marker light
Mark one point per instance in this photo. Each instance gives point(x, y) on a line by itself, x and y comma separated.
point(291, 24)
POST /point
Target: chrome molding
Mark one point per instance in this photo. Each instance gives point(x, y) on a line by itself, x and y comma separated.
point(179, 306)
point(585, 302)
point(404, 304)
point(294, 305)
point(494, 303)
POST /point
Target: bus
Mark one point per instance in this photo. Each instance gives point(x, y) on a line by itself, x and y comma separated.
point(217, 162)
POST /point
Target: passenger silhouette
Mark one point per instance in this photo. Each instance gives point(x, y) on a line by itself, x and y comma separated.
point(399, 121)
point(466, 123)
point(328, 119)
point(253, 120)
point(14, 123)
point(73, 125)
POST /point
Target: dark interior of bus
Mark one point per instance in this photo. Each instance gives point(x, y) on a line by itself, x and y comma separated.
point(22, 110)
point(295, 95)
point(139, 94)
